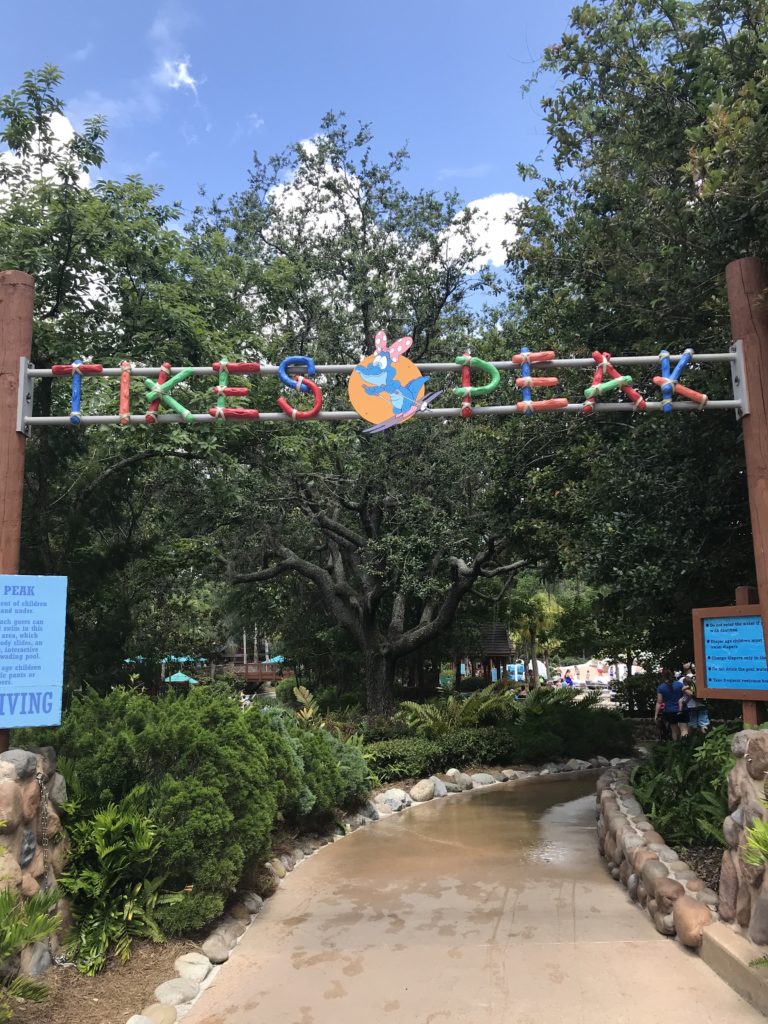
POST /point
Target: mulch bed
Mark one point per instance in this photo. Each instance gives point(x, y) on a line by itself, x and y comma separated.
point(112, 996)
point(705, 861)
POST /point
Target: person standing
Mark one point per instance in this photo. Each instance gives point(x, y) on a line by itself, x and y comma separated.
point(670, 705)
point(698, 715)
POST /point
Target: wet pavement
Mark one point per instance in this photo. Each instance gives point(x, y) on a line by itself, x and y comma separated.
point(492, 906)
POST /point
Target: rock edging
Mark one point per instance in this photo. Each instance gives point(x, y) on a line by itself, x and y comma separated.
point(675, 898)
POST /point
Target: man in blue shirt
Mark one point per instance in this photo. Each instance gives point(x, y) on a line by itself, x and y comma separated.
point(669, 704)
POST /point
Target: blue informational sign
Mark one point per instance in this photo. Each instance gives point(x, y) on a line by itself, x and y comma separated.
point(32, 613)
point(734, 653)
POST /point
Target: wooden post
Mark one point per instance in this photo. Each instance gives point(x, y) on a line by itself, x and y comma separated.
point(752, 711)
point(747, 284)
point(17, 301)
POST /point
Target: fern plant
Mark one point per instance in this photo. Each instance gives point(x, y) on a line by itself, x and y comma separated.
point(115, 893)
point(756, 846)
point(21, 923)
point(447, 714)
point(308, 713)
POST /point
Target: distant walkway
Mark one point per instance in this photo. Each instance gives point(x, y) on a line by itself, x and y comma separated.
point(487, 908)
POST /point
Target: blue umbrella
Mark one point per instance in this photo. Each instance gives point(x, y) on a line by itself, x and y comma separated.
point(181, 677)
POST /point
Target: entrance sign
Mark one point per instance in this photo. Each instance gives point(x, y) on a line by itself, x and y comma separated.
point(730, 653)
point(32, 614)
point(384, 388)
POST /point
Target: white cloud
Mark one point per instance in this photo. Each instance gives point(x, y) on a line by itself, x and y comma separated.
point(63, 133)
point(490, 228)
point(170, 67)
point(83, 53)
point(175, 74)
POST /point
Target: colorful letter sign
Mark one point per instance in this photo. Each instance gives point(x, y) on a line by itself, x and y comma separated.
point(32, 611)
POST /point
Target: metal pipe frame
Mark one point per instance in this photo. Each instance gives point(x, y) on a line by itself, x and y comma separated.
point(30, 374)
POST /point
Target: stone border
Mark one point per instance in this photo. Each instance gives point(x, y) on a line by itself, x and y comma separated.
point(196, 971)
point(675, 898)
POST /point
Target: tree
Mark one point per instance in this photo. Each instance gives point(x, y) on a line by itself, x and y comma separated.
point(115, 278)
point(392, 533)
point(624, 250)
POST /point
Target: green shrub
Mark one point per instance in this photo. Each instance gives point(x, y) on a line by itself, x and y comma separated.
point(22, 922)
point(536, 743)
point(489, 745)
point(406, 757)
point(113, 884)
point(284, 692)
point(636, 695)
point(212, 779)
point(446, 714)
point(683, 787)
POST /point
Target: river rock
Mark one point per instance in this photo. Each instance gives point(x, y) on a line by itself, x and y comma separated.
point(396, 799)
point(690, 918)
point(423, 791)
point(233, 925)
point(667, 890)
point(18, 764)
point(160, 1013)
point(368, 811)
point(57, 790)
point(35, 959)
point(451, 787)
point(650, 873)
point(287, 861)
point(577, 765)
point(460, 779)
point(482, 779)
point(252, 902)
point(176, 991)
point(10, 806)
point(139, 1018)
point(192, 966)
point(216, 949)
point(440, 788)
point(278, 867)
point(240, 912)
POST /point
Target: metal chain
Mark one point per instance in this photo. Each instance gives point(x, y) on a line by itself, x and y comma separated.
point(45, 818)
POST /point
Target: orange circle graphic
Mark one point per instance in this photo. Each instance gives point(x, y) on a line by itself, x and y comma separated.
point(378, 408)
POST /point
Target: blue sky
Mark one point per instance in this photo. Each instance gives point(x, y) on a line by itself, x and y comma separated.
point(191, 88)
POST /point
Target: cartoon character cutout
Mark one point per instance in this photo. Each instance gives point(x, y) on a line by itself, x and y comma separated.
point(386, 386)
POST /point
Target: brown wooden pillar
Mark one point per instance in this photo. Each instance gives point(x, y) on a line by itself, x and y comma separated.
point(752, 711)
point(747, 284)
point(17, 301)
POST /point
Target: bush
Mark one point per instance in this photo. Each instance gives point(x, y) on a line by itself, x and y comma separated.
point(284, 692)
point(636, 695)
point(407, 757)
point(442, 716)
point(683, 788)
point(213, 780)
point(535, 743)
point(114, 884)
point(22, 922)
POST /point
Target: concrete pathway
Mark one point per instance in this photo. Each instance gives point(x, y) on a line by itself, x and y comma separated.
point(492, 906)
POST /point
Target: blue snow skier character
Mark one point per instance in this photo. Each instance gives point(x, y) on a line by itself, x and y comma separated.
point(380, 377)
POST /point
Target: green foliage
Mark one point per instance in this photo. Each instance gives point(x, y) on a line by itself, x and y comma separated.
point(113, 883)
point(284, 692)
point(22, 921)
point(450, 713)
point(548, 724)
point(213, 781)
point(636, 695)
point(407, 757)
point(683, 787)
point(756, 847)
point(308, 713)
